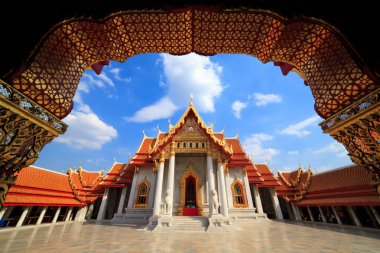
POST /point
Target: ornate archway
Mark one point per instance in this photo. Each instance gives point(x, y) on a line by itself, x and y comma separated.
point(190, 172)
point(40, 93)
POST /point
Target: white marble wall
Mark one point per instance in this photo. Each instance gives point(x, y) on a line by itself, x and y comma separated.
point(235, 172)
point(148, 173)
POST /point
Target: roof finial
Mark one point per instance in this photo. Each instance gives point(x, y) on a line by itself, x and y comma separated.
point(191, 98)
point(158, 128)
point(144, 133)
point(170, 124)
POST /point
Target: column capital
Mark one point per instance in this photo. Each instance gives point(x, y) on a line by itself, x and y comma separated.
point(172, 148)
point(162, 157)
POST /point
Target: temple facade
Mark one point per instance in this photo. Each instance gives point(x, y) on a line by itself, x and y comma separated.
point(189, 171)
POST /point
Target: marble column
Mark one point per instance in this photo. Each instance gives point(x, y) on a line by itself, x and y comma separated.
point(7, 212)
point(103, 206)
point(211, 182)
point(23, 216)
point(355, 218)
point(67, 218)
point(122, 200)
point(310, 213)
point(228, 188)
point(375, 213)
point(322, 215)
point(223, 193)
point(296, 213)
point(56, 215)
point(158, 191)
point(170, 179)
point(133, 188)
point(247, 189)
point(337, 217)
point(2, 212)
point(42, 214)
point(276, 204)
point(256, 195)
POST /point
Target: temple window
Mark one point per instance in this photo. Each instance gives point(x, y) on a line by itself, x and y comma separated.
point(196, 145)
point(203, 145)
point(142, 193)
point(184, 144)
point(178, 145)
point(239, 198)
point(191, 145)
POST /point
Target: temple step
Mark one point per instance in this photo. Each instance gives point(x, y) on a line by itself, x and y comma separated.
point(186, 223)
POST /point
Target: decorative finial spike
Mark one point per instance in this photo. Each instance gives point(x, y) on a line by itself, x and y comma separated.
point(191, 98)
point(158, 128)
point(144, 133)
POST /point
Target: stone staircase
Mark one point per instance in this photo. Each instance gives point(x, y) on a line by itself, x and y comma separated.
point(190, 223)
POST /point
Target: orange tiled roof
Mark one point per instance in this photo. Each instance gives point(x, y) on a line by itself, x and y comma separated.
point(39, 187)
point(269, 179)
point(293, 184)
point(349, 185)
point(110, 180)
point(85, 185)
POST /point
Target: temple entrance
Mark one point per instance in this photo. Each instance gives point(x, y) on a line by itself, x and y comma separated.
point(190, 208)
point(190, 197)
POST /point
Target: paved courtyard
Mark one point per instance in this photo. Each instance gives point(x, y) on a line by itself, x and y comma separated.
point(265, 236)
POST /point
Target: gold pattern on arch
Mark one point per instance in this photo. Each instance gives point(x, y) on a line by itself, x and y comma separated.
point(142, 194)
point(182, 191)
point(238, 194)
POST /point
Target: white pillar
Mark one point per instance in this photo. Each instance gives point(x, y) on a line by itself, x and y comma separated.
point(297, 215)
point(247, 189)
point(158, 191)
point(133, 188)
point(375, 213)
point(170, 179)
point(310, 213)
point(122, 200)
point(276, 204)
point(211, 182)
point(337, 217)
point(228, 188)
point(322, 214)
point(256, 195)
point(23, 216)
point(56, 215)
point(7, 212)
point(103, 206)
point(42, 214)
point(223, 193)
point(2, 212)
point(352, 213)
point(67, 218)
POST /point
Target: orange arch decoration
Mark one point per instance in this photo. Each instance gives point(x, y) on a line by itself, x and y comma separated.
point(310, 47)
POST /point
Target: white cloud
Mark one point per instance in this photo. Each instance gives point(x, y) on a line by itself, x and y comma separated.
point(254, 145)
point(260, 99)
point(293, 152)
point(116, 73)
point(184, 75)
point(334, 147)
point(86, 130)
point(298, 129)
point(164, 108)
point(237, 106)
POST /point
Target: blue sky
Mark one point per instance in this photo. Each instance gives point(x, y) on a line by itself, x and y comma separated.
point(272, 114)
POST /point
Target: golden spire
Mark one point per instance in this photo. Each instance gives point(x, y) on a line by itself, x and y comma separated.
point(191, 98)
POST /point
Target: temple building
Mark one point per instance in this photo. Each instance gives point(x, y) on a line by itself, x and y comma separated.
point(343, 196)
point(41, 196)
point(189, 171)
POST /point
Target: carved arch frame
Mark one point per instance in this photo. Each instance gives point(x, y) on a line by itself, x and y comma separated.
point(135, 204)
point(182, 191)
point(244, 194)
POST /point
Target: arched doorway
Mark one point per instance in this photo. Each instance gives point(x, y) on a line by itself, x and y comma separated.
point(190, 195)
point(191, 205)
